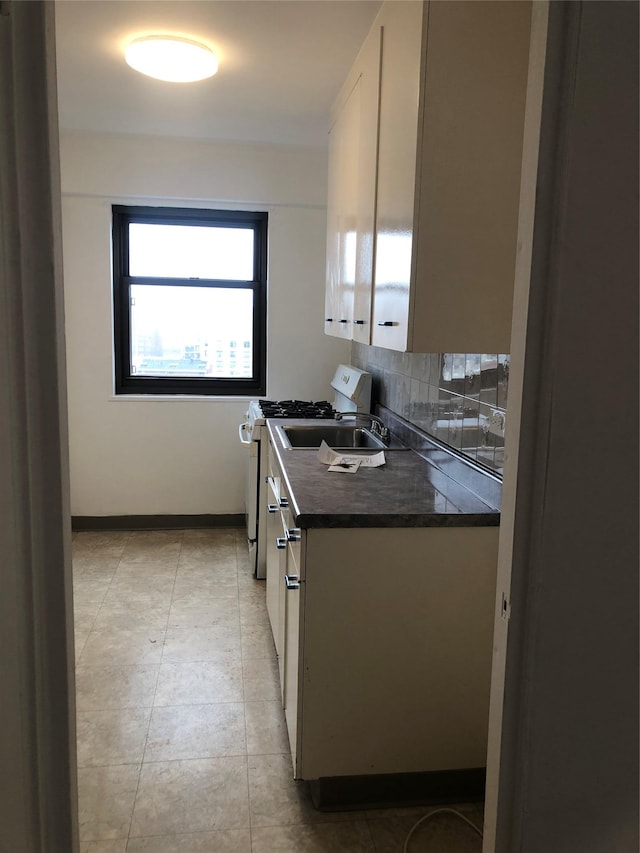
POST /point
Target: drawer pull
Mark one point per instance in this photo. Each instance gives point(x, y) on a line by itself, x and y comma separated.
point(388, 323)
point(281, 543)
point(272, 508)
point(293, 534)
point(284, 503)
point(292, 581)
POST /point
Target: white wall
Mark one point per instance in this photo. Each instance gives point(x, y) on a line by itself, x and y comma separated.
point(137, 456)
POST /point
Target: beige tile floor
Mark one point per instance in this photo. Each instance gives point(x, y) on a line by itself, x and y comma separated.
point(182, 745)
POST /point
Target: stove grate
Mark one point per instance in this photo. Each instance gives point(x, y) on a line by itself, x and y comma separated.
point(296, 409)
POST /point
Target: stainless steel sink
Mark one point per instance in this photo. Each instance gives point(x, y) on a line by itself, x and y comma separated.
point(337, 436)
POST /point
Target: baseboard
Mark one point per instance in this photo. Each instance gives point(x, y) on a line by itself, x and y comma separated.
point(154, 522)
point(389, 790)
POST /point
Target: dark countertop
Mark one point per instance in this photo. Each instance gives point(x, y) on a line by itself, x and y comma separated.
point(407, 491)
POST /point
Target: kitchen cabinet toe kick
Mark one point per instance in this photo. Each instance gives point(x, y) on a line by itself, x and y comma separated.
point(342, 793)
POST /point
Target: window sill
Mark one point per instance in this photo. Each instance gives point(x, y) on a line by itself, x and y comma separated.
point(177, 398)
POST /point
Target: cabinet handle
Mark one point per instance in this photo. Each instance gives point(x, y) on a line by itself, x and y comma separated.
point(284, 503)
point(328, 319)
point(359, 322)
point(281, 543)
point(343, 321)
point(292, 581)
point(272, 508)
point(388, 323)
point(293, 534)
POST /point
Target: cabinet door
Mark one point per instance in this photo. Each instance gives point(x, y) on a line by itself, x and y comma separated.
point(367, 145)
point(342, 217)
point(292, 641)
point(398, 134)
point(351, 198)
point(274, 532)
point(468, 184)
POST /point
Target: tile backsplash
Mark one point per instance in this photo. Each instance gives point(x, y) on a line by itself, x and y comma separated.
point(459, 398)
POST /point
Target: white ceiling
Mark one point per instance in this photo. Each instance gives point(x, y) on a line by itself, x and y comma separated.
point(281, 65)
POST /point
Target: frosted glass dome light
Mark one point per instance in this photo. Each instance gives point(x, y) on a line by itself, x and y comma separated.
point(176, 60)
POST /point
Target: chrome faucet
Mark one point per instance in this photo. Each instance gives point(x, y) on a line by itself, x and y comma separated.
point(376, 424)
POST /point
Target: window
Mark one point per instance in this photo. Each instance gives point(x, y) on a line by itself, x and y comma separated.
point(188, 284)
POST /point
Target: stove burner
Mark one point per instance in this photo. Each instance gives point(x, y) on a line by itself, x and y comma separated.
point(296, 409)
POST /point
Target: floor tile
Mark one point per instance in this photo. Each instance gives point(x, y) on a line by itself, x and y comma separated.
point(84, 617)
point(99, 688)
point(261, 679)
point(148, 571)
point(208, 588)
point(204, 567)
point(88, 591)
point(154, 564)
point(224, 841)
point(201, 610)
point(253, 614)
point(106, 544)
point(441, 832)
point(197, 558)
point(111, 737)
point(132, 614)
point(276, 799)
point(244, 561)
point(253, 610)
point(191, 796)
point(117, 846)
point(200, 643)
point(152, 547)
point(266, 728)
point(207, 564)
point(115, 617)
point(199, 683)
point(242, 550)
point(250, 590)
point(80, 641)
point(347, 837)
point(105, 801)
point(123, 646)
point(150, 539)
point(257, 641)
point(196, 731)
point(213, 535)
point(207, 585)
point(131, 584)
point(473, 811)
point(94, 565)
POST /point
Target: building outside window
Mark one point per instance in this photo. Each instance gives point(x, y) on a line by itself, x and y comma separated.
point(188, 285)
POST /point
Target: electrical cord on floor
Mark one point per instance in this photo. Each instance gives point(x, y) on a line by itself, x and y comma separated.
point(429, 816)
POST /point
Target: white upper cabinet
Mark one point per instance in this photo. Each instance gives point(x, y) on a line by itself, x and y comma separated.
point(401, 24)
point(351, 200)
point(453, 79)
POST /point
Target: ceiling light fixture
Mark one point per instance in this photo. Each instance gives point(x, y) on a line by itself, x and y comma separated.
point(171, 58)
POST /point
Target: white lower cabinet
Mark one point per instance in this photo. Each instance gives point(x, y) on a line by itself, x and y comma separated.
point(387, 645)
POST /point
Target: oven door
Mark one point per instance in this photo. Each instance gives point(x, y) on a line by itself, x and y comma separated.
point(251, 490)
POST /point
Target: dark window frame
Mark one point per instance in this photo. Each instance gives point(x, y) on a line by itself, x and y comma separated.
point(128, 383)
